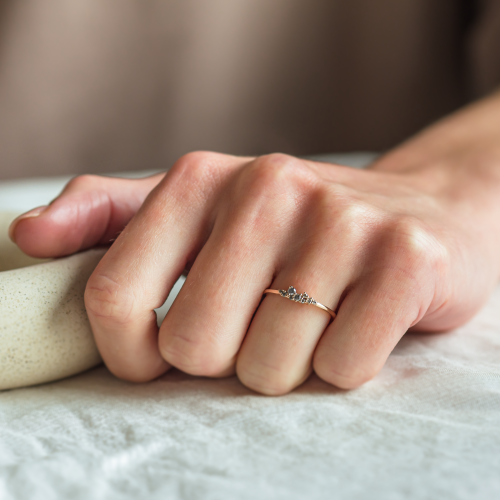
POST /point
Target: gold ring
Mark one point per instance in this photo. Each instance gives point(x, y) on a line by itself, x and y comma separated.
point(301, 298)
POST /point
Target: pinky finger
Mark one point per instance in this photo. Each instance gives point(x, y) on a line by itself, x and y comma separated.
point(371, 321)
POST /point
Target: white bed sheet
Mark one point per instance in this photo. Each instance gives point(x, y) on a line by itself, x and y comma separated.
point(428, 427)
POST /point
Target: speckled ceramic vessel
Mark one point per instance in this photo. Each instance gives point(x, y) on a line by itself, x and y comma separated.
point(44, 331)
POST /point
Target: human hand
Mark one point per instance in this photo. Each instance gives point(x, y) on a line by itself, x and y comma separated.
point(387, 250)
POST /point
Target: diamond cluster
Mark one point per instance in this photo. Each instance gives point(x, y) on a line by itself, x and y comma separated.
point(292, 294)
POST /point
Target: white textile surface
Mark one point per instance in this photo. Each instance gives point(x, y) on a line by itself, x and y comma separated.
point(427, 427)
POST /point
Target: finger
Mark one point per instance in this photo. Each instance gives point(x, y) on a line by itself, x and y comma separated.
point(205, 326)
point(392, 295)
point(276, 355)
point(91, 210)
point(137, 273)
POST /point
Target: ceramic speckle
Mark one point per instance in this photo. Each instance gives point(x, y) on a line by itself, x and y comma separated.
point(44, 330)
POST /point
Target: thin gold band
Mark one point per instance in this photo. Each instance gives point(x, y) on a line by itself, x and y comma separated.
point(300, 298)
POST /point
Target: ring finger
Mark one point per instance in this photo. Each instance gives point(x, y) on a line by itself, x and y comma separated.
point(276, 355)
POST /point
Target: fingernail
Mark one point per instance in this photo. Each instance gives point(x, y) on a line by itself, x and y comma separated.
point(32, 213)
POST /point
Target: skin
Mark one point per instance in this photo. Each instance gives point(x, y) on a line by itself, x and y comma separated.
point(411, 242)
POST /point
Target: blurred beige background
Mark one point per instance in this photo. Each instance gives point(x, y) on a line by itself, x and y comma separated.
point(116, 85)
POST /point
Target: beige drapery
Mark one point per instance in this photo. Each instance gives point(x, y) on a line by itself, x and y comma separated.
point(101, 86)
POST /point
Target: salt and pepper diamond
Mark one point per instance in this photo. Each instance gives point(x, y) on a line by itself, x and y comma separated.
point(292, 294)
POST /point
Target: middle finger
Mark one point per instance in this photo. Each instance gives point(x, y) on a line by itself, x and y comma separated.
point(207, 322)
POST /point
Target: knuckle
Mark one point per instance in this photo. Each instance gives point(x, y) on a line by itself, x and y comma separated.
point(264, 380)
point(354, 217)
point(193, 178)
point(83, 182)
point(355, 213)
point(194, 167)
point(277, 175)
point(415, 244)
point(108, 300)
point(266, 195)
point(188, 354)
point(343, 378)
point(335, 216)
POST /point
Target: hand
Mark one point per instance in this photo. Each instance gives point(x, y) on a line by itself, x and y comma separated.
point(387, 250)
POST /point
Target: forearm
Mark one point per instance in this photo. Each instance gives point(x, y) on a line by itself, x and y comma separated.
point(472, 132)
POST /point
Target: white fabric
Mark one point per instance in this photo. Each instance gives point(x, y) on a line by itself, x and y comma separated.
point(428, 427)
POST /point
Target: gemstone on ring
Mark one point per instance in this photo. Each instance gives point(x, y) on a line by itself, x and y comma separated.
point(292, 294)
point(301, 298)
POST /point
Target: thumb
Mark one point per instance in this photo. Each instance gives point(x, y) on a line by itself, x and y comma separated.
point(91, 210)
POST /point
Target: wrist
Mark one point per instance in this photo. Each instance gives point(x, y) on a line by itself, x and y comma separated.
point(462, 151)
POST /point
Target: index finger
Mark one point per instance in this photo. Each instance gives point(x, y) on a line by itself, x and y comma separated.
point(139, 270)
